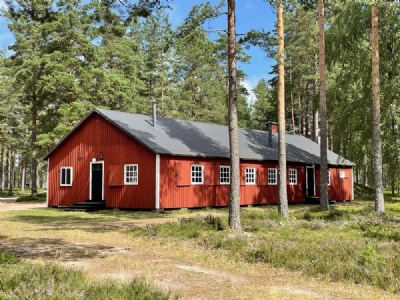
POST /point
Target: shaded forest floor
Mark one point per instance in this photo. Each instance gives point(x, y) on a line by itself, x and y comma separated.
point(99, 244)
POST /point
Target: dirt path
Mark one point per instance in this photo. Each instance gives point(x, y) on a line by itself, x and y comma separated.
point(21, 206)
point(96, 244)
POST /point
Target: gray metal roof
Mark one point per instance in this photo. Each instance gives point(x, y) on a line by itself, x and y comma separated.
point(185, 138)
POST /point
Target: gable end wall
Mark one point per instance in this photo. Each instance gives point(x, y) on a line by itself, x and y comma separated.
point(93, 136)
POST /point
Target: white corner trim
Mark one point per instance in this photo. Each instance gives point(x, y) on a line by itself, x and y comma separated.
point(47, 183)
point(352, 184)
point(157, 182)
point(90, 178)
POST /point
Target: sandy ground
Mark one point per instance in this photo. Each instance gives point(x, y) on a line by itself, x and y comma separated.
point(105, 251)
point(20, 206)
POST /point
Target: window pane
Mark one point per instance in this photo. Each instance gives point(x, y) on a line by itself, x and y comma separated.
point(62, 176)
point(224, 174)
point(272, 176)
point(68, 177)
point(131, 174)
point(292, 176)
point(250, 175)
point(197, 174)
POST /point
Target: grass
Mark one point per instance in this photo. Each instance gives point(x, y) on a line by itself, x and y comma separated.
point(24, 196)
point(50, 281)
point(348, 243)
point(28, 198)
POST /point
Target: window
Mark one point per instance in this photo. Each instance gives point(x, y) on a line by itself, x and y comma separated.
point(131, 174)
point(197, 174)
point(292, 176)
point(342, 174)
point(66, 176)
point(224, 174)
point(250, 176)
point(272, 179)
point(329, 178)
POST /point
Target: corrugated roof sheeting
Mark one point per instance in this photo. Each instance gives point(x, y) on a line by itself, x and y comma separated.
point(196, 139)
point(185, 138)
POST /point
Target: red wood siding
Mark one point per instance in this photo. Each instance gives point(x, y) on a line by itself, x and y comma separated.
point(177, 191)
point(96, 135)
point(340, 189)
point(93, 136)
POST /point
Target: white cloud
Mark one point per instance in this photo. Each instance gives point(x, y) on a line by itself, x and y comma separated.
point(250, 83)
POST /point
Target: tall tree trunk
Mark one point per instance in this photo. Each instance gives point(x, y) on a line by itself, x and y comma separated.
point(314, 132)
point(302, 119)
point(322, 110)
point(282, 192)
point(307, 116)
point(34, 139)
point(23, 172)
point(234, 197)
point(7, 171)
point(2, 166)
point(292, 102)
point(376, 114)
point(11, 176)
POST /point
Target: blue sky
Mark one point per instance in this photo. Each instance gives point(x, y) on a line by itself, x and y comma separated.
point(250, 14)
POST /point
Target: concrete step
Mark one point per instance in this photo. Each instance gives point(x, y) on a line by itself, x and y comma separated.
point(87, 206)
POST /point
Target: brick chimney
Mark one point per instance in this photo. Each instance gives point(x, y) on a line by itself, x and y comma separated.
point(154, 102)
point(271, 127)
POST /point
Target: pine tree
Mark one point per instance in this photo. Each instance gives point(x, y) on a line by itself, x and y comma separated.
point(155, 37)
point(115, 81)
point(31, 24)
point(234, 196)
point(324, 201)
point(264, 107)
point(283, 202)
point(379, 200)
point(201, 86)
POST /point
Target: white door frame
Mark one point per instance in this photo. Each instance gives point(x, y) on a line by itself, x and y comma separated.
point(307, 188)
point(90, 182)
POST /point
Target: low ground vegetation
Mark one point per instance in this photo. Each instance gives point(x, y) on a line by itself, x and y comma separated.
point(41, 197)
point(348, 243)
point(51, 281)
point(24, 196)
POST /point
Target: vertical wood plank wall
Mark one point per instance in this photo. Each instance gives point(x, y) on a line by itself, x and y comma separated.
point(97, 135)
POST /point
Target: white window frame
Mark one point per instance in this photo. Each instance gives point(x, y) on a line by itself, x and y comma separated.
point(250, 176)
point(292, 176)
point(342, 174)
point(197, 174)
point(224, 175)
point(133, 174)
point(66, 183)
point(272, 176)
point(329, 177)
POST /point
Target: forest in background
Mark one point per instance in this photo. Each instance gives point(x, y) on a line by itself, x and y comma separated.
point(70, 56)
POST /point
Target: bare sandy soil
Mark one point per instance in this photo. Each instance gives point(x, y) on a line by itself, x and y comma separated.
point(20, 206)
point(101, 247)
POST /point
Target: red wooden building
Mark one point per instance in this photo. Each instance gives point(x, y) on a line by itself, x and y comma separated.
point(141, 162)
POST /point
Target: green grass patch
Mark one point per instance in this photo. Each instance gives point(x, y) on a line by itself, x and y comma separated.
point(7, 259)
point(50, 281)
point(348, 243)
point(363, 192)
point(184, 228)
point(28, 198)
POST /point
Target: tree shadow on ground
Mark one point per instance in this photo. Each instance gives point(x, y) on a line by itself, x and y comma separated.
point(51, 248)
